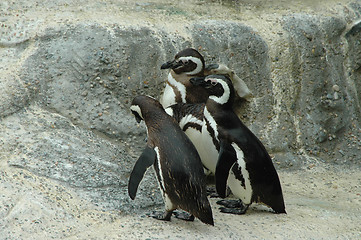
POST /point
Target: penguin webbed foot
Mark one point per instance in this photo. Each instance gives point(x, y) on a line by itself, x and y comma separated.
point(231, 203)
point(233, 206)
point(184, 216)
point(165, 216)
point(236, 211)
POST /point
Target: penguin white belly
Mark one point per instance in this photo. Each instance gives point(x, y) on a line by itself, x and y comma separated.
point(241, 190)
point(195, 136)
point(169, 97)
point(208, 152)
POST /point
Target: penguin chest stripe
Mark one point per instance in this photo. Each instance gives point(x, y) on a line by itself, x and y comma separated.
point(189, 120)
point(242, 170)
point(178, 86)
point(160, 174)
point(212, 123)
point(211, 127)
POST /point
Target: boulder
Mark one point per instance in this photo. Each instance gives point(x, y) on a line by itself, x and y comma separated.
point(68, 140)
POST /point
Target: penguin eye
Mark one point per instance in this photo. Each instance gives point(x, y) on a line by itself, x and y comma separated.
point(185, 62)
point(213, 81)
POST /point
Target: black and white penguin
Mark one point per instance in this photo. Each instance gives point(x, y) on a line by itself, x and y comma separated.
point(234, 153)
point(239, 85)
point(189, 116)
point(176, 162)
point(186, 64)
point(190, 63)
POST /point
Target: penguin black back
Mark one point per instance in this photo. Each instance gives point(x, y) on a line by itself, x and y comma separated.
point(177, 164)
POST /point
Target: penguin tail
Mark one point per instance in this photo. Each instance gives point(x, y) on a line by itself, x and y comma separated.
point(275, 202)
point(205, 214)
point(284, 211)
point(207, 218)
point(281, 210)
point(279, 205)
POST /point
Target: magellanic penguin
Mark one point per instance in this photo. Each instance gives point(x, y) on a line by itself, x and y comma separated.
point(234, 153)
point(239, 85)
point(176, 162)
point(190, 119)
point(189, 63)
point(186, 64)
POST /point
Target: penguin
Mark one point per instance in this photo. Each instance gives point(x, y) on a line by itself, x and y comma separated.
point(239, 85)
point(234, 153)
point(186, 64)
point(175, 160)
point(189, 116)
point(190, 63)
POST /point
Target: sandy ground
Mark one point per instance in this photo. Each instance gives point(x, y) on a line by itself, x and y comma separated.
point(322, 201)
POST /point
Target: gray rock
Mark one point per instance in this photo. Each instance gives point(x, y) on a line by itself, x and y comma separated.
point(240, 48)
point(89, 75)
point(14, 96)
point(79, 82)
point(354, 62)
point(49, 145)
point(65, 119)
point(317, 53)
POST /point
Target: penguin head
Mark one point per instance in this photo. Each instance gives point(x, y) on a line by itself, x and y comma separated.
point(143, 106)
point(219, 87)
point(188, 61)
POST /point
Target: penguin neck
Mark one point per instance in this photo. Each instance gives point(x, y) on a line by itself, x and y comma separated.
point(217, 110)
point(184, 90)
point(153, 126)
point(223, 102)
point(157, 120)
point(177, 81)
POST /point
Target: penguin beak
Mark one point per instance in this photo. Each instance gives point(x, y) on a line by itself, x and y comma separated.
point(198, 81)
point(171, 64)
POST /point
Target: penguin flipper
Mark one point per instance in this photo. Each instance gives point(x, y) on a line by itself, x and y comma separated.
point(212, 66)
point(226, 158)
point(143, 163)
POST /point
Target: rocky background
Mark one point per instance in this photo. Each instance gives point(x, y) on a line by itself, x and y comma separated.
point(69, 70)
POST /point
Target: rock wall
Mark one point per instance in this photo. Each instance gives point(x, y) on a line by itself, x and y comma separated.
point(65, 94)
